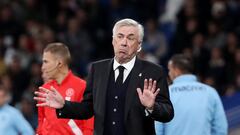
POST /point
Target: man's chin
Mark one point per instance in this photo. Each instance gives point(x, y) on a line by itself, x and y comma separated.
point(123, 59)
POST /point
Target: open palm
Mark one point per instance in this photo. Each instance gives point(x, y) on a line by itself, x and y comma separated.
point(51, 98)
point(149, 93)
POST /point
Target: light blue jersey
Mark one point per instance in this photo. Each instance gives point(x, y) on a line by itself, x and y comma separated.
point(198, 109)
point(12, 122)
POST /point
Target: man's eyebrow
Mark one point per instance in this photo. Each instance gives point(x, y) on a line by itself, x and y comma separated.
point(131, 34)
point(120, 34)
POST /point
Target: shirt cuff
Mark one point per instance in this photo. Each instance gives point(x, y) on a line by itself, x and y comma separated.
point(148, 112)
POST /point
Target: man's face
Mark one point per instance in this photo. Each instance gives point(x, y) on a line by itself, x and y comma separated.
point(171, 71)
point(49, 66)
point(126, 43)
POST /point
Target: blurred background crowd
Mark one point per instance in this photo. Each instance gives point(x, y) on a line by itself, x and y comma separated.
point(206, 30)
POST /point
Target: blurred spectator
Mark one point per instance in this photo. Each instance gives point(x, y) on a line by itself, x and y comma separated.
point(216, 37)
point(155, 42)
point(80, 45)
point(27, 105)
point(24, 52)
point(229, 51)
point(217, 68)
point(236, 69)
point(19, 77)
point(8, 25)
point(61, 23)
point(237, 81)
point(185, 34)
point(3, 67)
point(168, 20)
point(200, 54)
point(12, 121)
point(47, 35)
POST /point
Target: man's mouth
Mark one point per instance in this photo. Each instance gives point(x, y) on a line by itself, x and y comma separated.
point(122, 51)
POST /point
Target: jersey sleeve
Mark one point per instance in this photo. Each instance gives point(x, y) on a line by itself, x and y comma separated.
point(219, 121)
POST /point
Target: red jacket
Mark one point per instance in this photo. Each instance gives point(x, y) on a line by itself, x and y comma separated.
point(72, 89)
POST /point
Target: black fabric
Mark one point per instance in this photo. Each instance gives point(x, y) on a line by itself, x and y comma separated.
point(119, 80)
point(116, 94)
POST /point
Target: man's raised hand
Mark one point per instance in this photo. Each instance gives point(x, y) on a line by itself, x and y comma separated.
point(149, 93)
point(49, 97)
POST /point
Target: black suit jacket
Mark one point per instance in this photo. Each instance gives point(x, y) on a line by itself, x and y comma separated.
point(135, 119)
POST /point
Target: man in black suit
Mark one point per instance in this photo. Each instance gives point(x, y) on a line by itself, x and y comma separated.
point(125, 94)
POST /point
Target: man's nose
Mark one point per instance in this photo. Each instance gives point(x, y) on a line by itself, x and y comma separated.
point(124, 42)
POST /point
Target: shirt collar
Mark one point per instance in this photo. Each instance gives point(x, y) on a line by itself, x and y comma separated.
point(65, 79)
point(128, 66)
point(184, 78)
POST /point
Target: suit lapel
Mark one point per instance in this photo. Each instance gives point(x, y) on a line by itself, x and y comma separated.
point(103, 86)
point(132, 87)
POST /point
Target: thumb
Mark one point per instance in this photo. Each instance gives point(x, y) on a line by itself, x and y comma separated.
point(53, 89)
point(139, 91)
point(156, 92)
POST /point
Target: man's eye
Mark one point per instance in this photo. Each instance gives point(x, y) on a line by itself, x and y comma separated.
point(120, 37)
point(131, 38)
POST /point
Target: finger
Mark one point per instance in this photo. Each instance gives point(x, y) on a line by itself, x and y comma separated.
point(154, 86)
point(40, 94)
point(145, 84)
point(54, 90)
point(150, 84)
point(44, 89)
point(40, 99)
point(42, 104)
point(156, 92)
point(139, 91)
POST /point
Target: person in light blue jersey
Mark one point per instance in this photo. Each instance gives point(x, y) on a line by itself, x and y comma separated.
point(12, 121)
point(198, 108)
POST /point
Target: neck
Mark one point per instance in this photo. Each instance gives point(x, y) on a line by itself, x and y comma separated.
point(62, 75)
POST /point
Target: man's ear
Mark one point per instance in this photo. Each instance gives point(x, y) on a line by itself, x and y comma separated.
point(177, 71)
point(139, 49)
point(139, 46)
point(60, 63)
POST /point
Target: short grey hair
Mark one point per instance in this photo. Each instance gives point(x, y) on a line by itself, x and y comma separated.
point(129, 22)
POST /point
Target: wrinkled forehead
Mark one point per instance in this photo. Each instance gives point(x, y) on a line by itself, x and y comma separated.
point(127, 30)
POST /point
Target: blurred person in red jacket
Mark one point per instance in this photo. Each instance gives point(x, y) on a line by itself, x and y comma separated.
point(56, 74)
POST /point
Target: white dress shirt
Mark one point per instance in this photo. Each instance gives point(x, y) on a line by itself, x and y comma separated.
point(128, 67)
